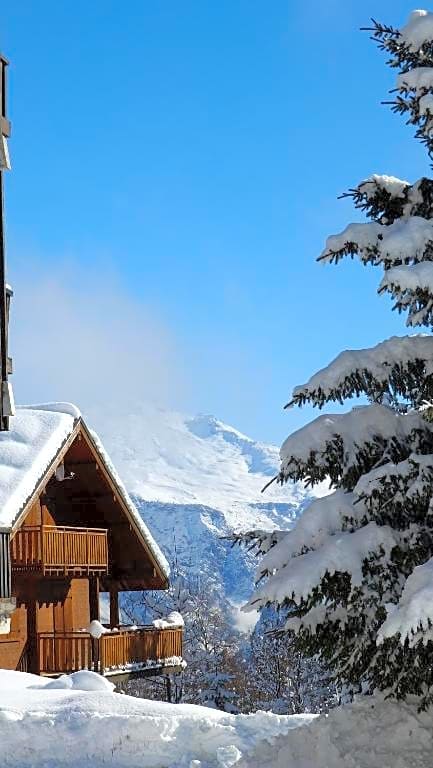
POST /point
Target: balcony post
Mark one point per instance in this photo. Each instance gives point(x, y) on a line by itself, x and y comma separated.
point(32, 638)
point(41, 536)
point(114, 606)
point(94, 614)
point(94, 597)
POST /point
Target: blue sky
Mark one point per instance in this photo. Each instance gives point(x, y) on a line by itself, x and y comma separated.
point(181, 163)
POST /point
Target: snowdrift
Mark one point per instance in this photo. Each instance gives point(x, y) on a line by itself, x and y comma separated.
point(372, 733)
point(79, 721)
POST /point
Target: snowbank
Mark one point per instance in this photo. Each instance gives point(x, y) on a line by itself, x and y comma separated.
point(42, 726)
point(45, 727)
point(372, 733)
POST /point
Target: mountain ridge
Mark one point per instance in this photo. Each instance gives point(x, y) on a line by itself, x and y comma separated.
point(195, 480)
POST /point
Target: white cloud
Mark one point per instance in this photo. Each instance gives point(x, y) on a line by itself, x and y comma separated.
point(244, 622)
point(80, 337)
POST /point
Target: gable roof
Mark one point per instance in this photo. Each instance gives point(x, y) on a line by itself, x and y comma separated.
point(34, 445)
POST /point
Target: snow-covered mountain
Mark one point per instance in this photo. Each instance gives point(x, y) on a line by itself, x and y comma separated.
point(195, 480)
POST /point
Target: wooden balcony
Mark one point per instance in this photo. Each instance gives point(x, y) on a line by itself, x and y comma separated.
point(60, 550)
point(145, 650)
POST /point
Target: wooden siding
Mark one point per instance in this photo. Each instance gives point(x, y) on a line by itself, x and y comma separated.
point(69, 612)
point(66, 610)
point(80, 604)
point(13, 645)
point(60, 550)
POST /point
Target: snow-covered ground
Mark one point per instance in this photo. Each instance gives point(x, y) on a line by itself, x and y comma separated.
point(87, 725)
point(46, 726)
point(372, 733)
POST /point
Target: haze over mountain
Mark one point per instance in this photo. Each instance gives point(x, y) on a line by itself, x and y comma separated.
point(195, 480)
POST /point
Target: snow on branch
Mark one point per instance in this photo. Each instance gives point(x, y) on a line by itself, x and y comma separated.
point(411, 50)
point(398, 493)
point(418, 32)
point(412, 288)
point(342, 553)
point(258, 540)
point(345, 446)
point(322, 518)
point(386, 198)
point(412, 617)
point(409, 46)
point(383, 198)
point(319, 614)
point(418, 80)
point(376, 183)
point(397, 367)
point(417, 466)
point(405, 240)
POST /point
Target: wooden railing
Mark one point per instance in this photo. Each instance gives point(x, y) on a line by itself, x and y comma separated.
point(125, 650)
point(60, 549)
point(66, 652)
point(136, 647)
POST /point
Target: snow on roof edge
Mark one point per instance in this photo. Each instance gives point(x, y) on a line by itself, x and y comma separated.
point(141, 525)
point(67, 408)
point(27, 451)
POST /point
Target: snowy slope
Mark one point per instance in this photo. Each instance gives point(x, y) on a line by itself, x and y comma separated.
point(168, 457)
point(196, 480)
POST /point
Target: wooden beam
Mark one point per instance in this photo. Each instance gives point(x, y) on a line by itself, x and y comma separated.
point(131, 584)
point(76, 465)
point(94, 597)
point(114, 607)
point(86, 497)
point(32, 644)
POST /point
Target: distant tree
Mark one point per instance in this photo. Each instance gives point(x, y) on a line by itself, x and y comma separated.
point(210, 643)
point(280, 679)
point(212, 657)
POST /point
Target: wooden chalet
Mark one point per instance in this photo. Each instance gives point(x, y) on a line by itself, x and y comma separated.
point(69, 531)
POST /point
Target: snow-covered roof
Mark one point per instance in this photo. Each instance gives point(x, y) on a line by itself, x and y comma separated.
point(36, 436)
point(27, 450)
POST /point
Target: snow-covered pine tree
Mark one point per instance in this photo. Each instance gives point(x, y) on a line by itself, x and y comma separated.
point(357, 570)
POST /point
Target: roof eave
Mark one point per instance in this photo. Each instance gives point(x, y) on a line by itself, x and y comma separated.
point(157, 564)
